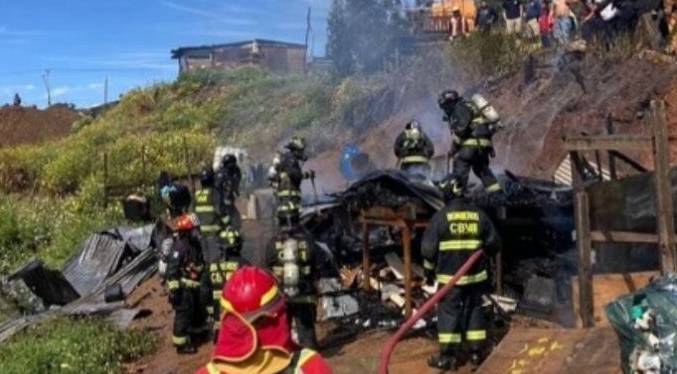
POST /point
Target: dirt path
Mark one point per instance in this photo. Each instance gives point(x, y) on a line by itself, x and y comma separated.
point(360, 356)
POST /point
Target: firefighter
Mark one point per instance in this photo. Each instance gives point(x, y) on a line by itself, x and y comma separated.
point(221, 245)
point(286, 175)
point(227, 188)
point(255, 334)
point(296, 262)
point(414, 149)
point(184, 275)
point(176, 199)
point(472, 134)
point(454, 234)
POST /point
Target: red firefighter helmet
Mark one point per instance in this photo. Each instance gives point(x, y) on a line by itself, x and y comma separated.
point(252, 292)
point(187, 222)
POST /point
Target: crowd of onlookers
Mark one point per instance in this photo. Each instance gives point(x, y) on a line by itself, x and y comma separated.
point(556, 22)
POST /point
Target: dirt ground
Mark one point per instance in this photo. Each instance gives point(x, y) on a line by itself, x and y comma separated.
point(360, 356)
point(29, 125)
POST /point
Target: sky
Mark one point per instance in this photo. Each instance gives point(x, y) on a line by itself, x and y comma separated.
point(81, 43)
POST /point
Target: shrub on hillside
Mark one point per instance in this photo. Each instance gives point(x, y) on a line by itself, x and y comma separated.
point(483, 56)
point(73, 346)
point(48, 228)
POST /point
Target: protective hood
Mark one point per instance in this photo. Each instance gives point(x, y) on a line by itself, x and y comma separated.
point(243, 348)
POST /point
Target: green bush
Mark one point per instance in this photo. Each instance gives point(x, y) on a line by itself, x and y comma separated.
point(482, 56)
point(73, 346)
point(23, 231)
point(52, 229)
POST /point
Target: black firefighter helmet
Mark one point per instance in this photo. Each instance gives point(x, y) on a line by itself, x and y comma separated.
point(207, 176)
point(447, 99)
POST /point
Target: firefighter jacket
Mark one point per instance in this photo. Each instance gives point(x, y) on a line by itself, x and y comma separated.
point(453, 235)
point(212, 222)
point(185, 264)
point(413, 148)
point(306, 260)
point(223, 264)
point(227, 185)
point(288, 176)
point(469, 127)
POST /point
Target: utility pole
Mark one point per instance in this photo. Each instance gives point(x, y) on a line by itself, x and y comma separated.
point(105, 92)
point(45, 79)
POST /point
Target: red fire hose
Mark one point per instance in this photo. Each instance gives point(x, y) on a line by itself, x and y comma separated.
point(390, 345)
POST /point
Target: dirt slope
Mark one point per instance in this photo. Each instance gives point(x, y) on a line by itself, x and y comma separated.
point(536, 116)
point(29, 125)
point(558, 104)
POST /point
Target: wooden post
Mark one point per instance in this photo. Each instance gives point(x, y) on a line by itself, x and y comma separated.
point(366, 265)
point(584, 245)
point(600, 171)
point(612, 159)
point(406, 249)
point(664, 210)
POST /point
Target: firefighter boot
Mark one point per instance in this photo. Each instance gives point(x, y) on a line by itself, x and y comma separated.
point(186, 349)
point(476, 360)
point(442, 362)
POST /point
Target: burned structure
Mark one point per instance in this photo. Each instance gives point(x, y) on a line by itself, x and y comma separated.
point(374, 229)
point(275, 56)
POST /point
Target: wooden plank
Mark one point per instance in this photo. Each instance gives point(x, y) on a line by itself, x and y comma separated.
point(607, 288)
point(584, 245)
point(623, 237)
point(612, 159)
point(664, 211)
point(607, 142)
point(529, 350)
point(634, 164)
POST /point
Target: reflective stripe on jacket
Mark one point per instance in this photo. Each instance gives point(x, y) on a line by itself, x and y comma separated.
point(453, 235)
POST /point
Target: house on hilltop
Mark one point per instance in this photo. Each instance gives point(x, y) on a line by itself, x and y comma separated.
point(278, 57)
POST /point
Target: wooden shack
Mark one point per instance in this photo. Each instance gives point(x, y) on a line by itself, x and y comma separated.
point(276, 56)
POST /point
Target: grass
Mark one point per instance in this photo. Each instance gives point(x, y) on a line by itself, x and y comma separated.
point(245, 107)
point(52, 229)
point(483, 56)
point(73, 346)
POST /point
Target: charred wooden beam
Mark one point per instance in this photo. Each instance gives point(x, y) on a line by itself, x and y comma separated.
point(612, 160)
point(584, 244)
point(634, 164)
